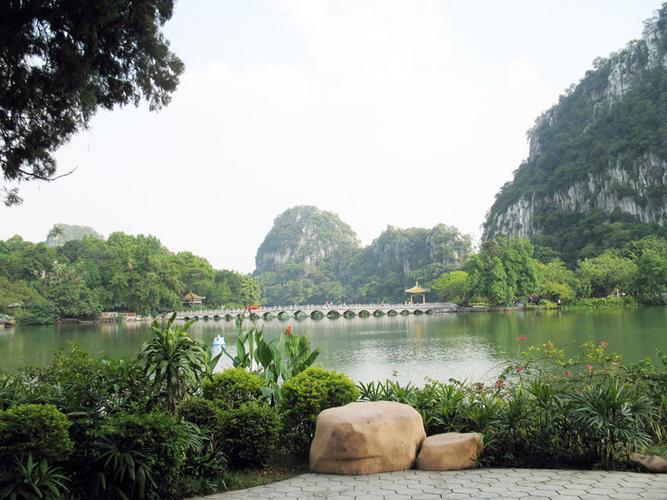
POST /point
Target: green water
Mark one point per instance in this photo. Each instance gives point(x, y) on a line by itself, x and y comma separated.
point(465, 346)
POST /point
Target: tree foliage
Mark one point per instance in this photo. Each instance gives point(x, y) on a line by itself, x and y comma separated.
point(62, 61)
point(123, 273)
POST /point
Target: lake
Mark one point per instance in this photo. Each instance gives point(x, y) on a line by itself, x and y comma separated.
point(472, 346)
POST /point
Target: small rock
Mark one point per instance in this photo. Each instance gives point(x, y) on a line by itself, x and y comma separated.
point(653, 463)
point(365, 438)
point(450, 451)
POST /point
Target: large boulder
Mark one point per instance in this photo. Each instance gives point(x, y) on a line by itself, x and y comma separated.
point(652, 463)
point(365, 438)
point(450, 451)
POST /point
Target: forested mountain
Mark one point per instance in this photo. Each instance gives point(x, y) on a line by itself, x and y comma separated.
point(596, 175)
point(79, 279)
point(310, 256)
point(62, 233)
point(306, 236)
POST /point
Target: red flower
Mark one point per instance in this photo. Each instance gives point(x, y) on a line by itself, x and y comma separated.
point(520, 369)
point(603, 344)
point(500, 383)
point(589, 368)
point(522, 338)
point(288, 330)
point(568, 373)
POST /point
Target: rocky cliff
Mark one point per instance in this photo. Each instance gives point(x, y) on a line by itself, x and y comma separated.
point(597, 165)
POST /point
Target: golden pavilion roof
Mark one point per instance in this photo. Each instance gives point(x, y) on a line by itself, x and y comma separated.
point(417, 289)
point(192, 297)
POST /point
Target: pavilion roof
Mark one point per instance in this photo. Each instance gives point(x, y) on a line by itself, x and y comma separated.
point(191, 297)
point(417, 289)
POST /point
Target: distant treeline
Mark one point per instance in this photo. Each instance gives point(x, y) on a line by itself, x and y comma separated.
point(81, 278)
point(508, 270)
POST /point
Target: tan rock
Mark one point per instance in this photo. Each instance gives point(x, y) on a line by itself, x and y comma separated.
point(365, 438)
point(450, 451)
point(653, 463)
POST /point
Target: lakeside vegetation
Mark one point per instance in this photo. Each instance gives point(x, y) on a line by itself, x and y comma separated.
point(90, 427)
point(81, 278)
point(506, 271)
point(40, 284)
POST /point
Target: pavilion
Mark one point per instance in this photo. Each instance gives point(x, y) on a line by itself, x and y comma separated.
point(192, 299)
point(415, 291)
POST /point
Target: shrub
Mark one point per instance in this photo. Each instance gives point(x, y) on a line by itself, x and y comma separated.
point(142, 453)
point(305, 396)
point(75, 382)
point(233, 387)
point(203, 413)
point(210, 460)
point(40, 430)
point(34, 479)
point(250, 433)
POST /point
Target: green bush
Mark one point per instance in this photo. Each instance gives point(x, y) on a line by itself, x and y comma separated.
point(234, 387)
point(203, 413)
point(603, 303)
point(305, 396)
point(34, 479)
point(142, 453)
point(76, 382)
point(210, 460)
point(250, 433)
point(40, 430)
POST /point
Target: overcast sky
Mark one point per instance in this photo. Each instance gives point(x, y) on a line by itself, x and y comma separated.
point(407, 113)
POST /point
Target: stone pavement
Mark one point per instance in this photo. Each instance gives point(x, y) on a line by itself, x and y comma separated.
point(476, 483)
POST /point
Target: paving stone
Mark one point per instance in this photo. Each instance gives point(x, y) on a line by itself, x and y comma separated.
point(475, 483)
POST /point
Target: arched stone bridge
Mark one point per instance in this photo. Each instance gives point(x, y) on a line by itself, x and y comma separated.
point(321, 311)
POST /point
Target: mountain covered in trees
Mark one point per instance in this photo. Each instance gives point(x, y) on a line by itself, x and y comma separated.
point(596, 174)
point(83, 277)
point(311, 256)
point(62, 233)
point(307, 236)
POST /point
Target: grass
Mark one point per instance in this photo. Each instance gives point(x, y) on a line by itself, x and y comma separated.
point(281, 467)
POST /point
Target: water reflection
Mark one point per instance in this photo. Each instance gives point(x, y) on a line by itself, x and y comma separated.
point(462, 346)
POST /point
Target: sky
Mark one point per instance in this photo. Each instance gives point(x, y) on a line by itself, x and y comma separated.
point(404, 113)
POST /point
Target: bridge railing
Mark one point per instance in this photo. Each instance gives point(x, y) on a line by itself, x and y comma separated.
point(316, 307)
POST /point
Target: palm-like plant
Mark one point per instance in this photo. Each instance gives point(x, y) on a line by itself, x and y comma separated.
point(35, 480)
point(124, 469)
point(175, 363)
point(612, 419)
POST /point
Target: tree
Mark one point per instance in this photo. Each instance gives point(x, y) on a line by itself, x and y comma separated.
point(452, 287)
point(61, 61)
point(650, 280)
point(67, 290)
point(556, 282)
point(606, 274)
point(503, 270)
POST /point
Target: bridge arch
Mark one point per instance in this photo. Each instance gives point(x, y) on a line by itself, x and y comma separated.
point(418, 312)
point(349, 314)
point(268, 315)
point(405, 312)
point(316, 314)
point(333, 314)
point(364, 313)
point(205, 317)
point(299, 314)
point(283, 315)
point(378, 313)
point(392, 312)
point(216, 317)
